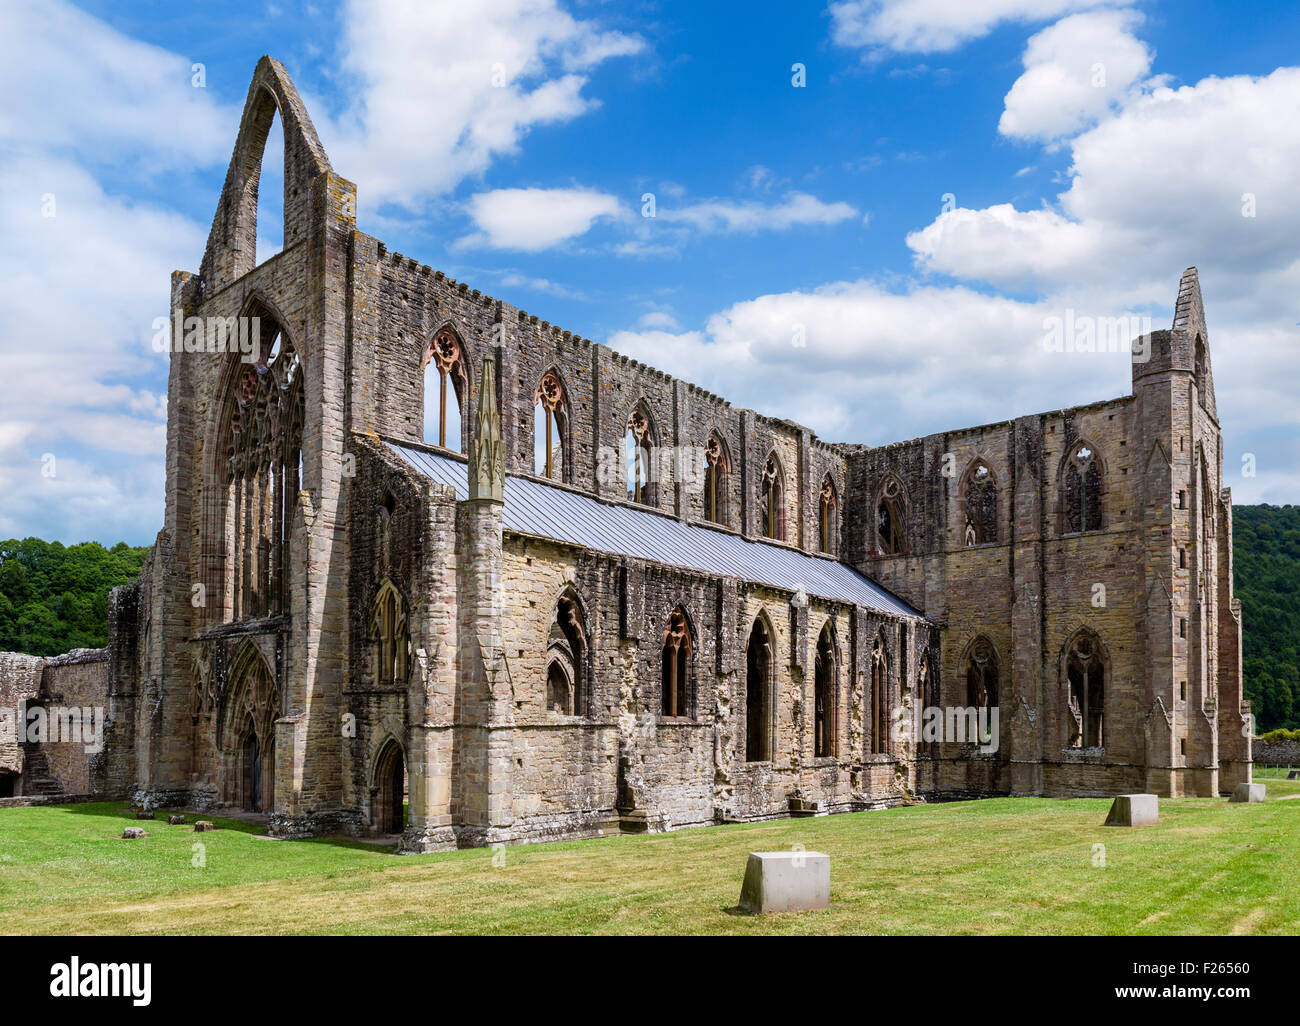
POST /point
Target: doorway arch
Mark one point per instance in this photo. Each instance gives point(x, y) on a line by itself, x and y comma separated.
point(388, 790)
point(246, 733)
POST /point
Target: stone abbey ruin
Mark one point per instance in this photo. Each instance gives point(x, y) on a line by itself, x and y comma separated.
point(600, 598)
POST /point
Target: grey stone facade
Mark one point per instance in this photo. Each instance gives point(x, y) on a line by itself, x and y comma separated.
point(321, 629)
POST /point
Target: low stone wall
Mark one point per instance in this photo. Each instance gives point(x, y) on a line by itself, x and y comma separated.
point(1275, 753)
point(20, 680)
point(28, 800)
point(75, 680)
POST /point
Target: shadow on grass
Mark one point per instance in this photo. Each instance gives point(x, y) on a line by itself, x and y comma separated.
point(255, 827)
point(125, 811)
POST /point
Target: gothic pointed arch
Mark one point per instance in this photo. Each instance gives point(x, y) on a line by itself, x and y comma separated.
point(677, 686)
point(828, 518)
point(717, 479)
point(891, 510)
point(640, 455)
point(568, 666)
point(254, 475)
point(551, 420)
point(771, 509)
point(1083, 488)
point(1085, 675)
point(388, 786)
point(981, 671)
point(978, 504)
point(880, 667)
point(760, 690)
point(390, 637)
point(231, 250)
point(921, 692)
point(443, 366)
point(203, 698)
point(250, 707)
point(826, 690)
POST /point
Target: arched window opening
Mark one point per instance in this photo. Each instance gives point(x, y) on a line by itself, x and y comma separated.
point(773, 505)
point(559, 688)
point(638, 445)
point(550, 427)
point(879, 705)
point(1086, 684)
point(388, 793)
point(269, 188)
point(758, 698)
point(830, 516)
point(444, 389)
point(252, 758)
point(981, 506)
point(919, 698)
point(889, 520)
point(1200, 368)
point(982, 676)
point(245, 734)
point(676, 665)
point(566, 678)
point(388, 637)
point(1083, 491)
point(825, 690)
point(717, 472)
point(261, 446)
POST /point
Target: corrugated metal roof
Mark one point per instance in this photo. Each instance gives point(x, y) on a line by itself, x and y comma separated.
point(545, 511)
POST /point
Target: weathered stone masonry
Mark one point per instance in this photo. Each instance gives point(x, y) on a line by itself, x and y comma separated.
point(322, 629)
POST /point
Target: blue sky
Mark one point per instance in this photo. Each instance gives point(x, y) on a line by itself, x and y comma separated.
point(874, 253)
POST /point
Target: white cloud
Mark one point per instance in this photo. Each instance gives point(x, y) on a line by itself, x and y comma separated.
point(794, 209)
point(87, 271)
point(1160, 183)
point(515, 280)
point(924, 26)
point(879, 365)
point(1008, 247)
point(1074, 71)
point(1157, 185)
point(443, 89)
point(77, 304)
point(69, 81)
point(536, 219)
point(658, 320)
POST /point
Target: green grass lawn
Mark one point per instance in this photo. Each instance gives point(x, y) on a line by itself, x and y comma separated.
point(1007, 865)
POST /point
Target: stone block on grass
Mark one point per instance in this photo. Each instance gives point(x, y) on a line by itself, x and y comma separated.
point(203, 826)
point(786, 881)
point(132, 833)
point(1247, 793)
point(1134, 810)
point(176, 820)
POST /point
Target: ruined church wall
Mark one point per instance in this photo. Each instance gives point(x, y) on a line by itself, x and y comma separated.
point(973, 591)
point(397, 305)
point(565, 766)
point(76, 680)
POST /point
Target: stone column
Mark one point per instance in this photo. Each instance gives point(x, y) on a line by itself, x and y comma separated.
point(1022, 706)
point(431, 698)
point(483, 751)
